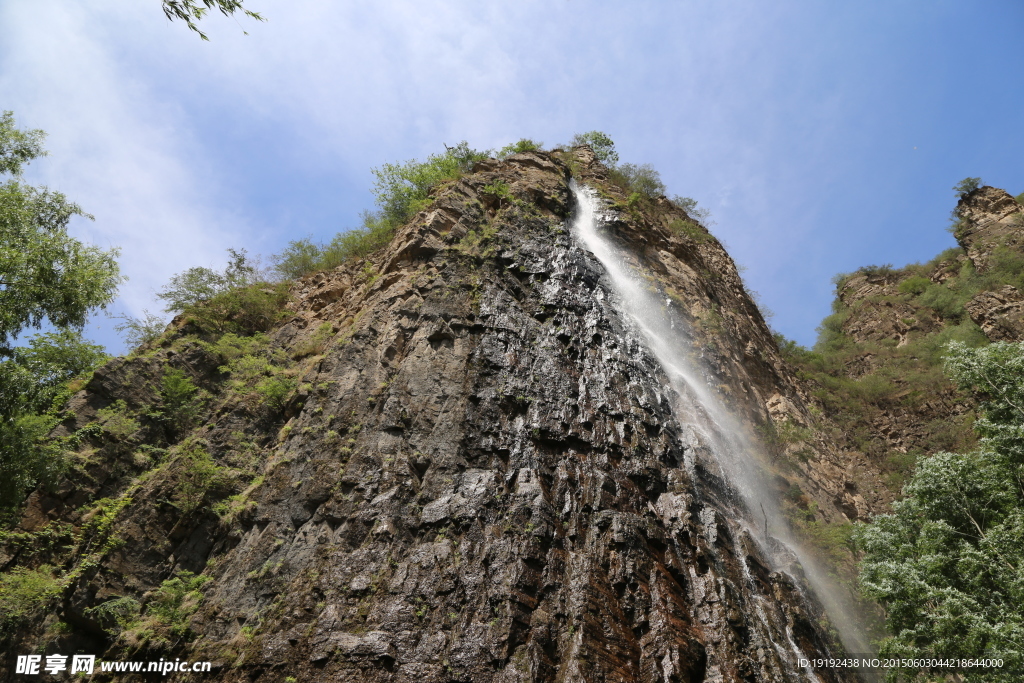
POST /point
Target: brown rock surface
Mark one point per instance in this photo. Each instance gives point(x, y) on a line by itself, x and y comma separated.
point(990, 218)
point(999, 314)
point(479, 476)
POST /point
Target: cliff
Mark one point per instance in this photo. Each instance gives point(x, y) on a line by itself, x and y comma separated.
point(878, 372)
point(453, 460)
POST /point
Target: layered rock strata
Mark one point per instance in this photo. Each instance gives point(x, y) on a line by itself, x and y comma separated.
point(480, 476)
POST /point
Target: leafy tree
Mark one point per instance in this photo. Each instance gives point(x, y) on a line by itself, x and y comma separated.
point(604, 148)
point(191, 11)
point(238, 299)
point(948, 563)
point(33, 385)
point(642, 179)
point(689, 205)
point(966, 186)
point(45, 274)
point(200, 284)
point(141, 330)
point(402, 189)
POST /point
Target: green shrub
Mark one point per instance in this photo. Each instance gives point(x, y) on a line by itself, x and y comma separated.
point(177, 599)
point(498, 189)
point(689, 229)
point(873, 388)
point(116, 615)
point(402, 189)
point(303, 257)
point(959, 226)
point(258, 368)
point(791, 350)
point(883, 270)
point(181, 405)
point(950, 254)
point(142, 330)
point(915, 285)
point(115, 421)
point(275, 391)
point(196, 474)
point(246, 310)
point(643, 179)
point(230, 346)
point(522, 145)
point(690, 206)
point(23, 591)
point(196, 285)
point(831, 337)
point(943, 301)
point(966, 186)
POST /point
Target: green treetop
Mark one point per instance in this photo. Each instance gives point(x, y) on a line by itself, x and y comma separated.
point(45, 274)
point(948, 564)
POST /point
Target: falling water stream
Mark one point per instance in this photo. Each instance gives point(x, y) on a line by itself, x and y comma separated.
point(724, 439)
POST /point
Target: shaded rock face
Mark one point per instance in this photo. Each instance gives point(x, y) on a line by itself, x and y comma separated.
point(990, 218)
point(480, 476)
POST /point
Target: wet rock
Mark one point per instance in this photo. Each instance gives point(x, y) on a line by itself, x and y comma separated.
point(482, 475)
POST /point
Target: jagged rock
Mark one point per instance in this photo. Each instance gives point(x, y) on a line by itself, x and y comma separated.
point(999, 314)
point(481, 475)
point(989, 218)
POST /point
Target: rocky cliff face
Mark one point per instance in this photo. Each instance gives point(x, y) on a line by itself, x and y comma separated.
point(478, 475)
point(889, 332)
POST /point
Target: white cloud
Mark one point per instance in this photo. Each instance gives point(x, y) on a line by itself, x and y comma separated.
point(176, 144)
point(116, 147)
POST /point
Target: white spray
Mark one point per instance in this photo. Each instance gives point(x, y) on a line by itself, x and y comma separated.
point(732, 452)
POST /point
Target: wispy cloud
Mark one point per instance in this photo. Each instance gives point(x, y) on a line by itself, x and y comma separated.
point(775, 116)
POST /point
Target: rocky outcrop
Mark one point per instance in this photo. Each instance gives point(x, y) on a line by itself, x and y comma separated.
point(479, 476)
point(889, 399)
point(999, 314)
point(989, 218)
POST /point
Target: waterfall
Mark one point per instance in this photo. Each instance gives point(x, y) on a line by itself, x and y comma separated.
point(723, 439)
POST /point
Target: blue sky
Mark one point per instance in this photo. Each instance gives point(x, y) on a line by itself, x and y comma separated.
point(822, 136)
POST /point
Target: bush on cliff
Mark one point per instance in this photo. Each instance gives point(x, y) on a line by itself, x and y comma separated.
point(948, 563)
point(522, 145)
point(401, 190)
point(643, 179)
point(238, 299)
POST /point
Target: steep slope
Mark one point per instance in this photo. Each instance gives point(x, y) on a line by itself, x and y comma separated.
point(454, 461)
point(878, 373)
